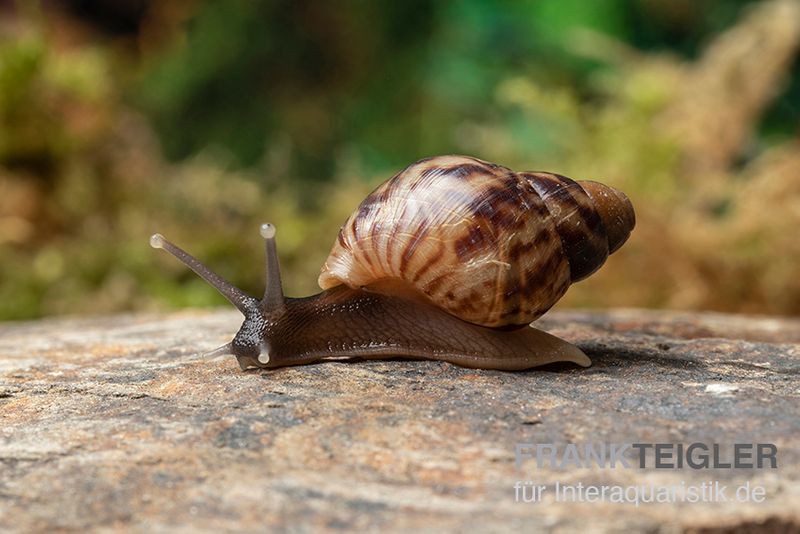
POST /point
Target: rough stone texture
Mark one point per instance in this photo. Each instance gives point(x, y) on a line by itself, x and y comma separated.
point(117, 423)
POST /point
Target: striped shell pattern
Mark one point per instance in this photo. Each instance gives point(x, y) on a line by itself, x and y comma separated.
point(489, 245)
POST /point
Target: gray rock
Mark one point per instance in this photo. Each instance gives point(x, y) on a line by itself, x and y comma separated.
point(117, 423)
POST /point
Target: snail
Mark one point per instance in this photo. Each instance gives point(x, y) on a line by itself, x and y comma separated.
point(450, 259)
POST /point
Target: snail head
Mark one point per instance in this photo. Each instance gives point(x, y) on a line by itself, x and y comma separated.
point(250, 345)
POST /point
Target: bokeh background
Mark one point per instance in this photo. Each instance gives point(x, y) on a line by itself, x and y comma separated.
point(201, 119)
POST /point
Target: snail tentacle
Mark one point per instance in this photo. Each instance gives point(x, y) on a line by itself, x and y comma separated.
point(273, 289)
point(243, 302)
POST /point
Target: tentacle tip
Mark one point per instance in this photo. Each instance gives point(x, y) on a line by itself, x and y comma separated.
point(267, 230)
point(157, 241)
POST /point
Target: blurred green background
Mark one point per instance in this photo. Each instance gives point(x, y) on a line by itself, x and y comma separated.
point(201, 119)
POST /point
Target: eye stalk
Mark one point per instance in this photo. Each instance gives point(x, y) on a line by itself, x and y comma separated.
point(273, 290)
point(235, 296)
point(249, 345)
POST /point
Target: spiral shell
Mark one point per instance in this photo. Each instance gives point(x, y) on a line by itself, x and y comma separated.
point(491, 246)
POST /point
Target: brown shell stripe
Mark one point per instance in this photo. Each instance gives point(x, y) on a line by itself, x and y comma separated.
point(583, 236)
point(546, 277)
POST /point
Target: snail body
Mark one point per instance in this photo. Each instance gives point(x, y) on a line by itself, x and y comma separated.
point(450, 259)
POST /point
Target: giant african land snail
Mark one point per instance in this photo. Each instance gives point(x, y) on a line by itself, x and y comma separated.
point(449, 260)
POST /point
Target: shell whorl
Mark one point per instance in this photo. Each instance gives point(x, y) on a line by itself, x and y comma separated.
point(488, 245)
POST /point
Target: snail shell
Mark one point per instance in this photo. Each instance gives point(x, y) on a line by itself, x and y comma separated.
point(488, 245)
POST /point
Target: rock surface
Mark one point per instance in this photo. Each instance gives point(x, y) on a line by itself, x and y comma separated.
point(117, 423)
